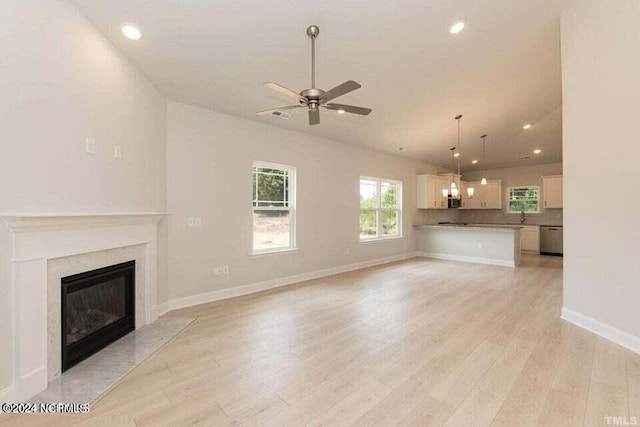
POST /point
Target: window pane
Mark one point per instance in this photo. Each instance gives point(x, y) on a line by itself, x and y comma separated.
point(368, 224)
point(524, 193)
point(389, 223)
point(525, 205)
point(271, 186)
point(368, 194)
point(389, 196)
point(271, 229)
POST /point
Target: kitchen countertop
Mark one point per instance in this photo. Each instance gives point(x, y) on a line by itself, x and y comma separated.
point(475, 227)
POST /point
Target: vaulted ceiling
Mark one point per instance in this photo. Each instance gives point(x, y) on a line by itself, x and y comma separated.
point(501, 72)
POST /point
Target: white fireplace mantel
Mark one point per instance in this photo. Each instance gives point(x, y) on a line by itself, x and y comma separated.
point(40, 237)
point(29, 222)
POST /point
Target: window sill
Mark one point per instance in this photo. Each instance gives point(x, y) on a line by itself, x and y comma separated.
point(274, 252)
point(381, 239)
point(526, 213)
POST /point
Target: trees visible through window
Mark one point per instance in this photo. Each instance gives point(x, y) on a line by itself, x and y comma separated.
point(273, 207)
point(524, 199)
point(380, 208)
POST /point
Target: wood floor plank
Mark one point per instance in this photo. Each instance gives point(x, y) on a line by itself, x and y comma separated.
point(457, 386)
point(414, 343)
point(478, 409)
point(606, 401)
point(527, 397)
point(633, 378)
point(567, 400)
point(353, 406)
point(313, 405)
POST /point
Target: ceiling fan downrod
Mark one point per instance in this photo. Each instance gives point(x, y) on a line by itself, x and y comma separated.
point(313, 31)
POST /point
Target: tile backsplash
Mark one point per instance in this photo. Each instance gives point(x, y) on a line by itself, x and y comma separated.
point(548, 217)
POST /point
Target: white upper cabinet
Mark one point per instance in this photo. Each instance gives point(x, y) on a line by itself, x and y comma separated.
point(552, 192)
point(430, 192)
point(485, 196)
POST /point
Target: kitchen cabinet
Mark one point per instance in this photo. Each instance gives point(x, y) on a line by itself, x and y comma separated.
point(430, 192)
point(486, 196)
point(530, 238)
point(552, 192)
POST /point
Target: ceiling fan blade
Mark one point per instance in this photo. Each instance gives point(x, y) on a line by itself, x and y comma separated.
point(349, 109)
point(288, 92)
point(340, 90)
point(273, 110)
point(314, 117)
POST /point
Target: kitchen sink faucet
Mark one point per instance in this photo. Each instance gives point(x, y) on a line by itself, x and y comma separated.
point(523, 219)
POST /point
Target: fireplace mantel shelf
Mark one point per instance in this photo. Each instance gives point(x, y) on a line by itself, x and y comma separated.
point(30, 222)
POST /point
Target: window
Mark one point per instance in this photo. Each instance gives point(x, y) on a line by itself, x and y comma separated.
point(526, 198)
point(380, 209)
point(273, 207)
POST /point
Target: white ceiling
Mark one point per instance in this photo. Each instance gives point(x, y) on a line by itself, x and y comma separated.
point(501, 72)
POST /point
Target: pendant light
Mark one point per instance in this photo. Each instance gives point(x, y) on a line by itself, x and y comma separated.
point(484, 177)
point(453, 192)
point(453, 181)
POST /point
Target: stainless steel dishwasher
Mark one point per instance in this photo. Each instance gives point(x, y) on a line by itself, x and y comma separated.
point(551, 240)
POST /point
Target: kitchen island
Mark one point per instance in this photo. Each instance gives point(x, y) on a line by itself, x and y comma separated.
point(483, 244)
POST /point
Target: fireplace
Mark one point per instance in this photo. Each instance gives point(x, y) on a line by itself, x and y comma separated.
point(98, 307)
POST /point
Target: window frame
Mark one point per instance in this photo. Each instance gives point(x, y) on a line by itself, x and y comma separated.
point(538, 200)
point(379, 209)
point(291, 208)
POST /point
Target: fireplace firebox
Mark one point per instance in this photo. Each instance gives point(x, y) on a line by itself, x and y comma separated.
point(98, 307)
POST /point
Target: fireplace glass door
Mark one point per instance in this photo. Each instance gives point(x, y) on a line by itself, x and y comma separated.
point(97, 309)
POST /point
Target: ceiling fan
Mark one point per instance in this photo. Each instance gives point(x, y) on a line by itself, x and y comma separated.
point(314, 98)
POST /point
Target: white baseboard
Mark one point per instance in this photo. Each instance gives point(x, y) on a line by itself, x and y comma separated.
point(616, 335)
point(276, 283)
point(8, 394)
point(160, 309)
point(448, 257)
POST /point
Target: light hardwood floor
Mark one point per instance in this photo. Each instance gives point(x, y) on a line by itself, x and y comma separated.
point(415, 343)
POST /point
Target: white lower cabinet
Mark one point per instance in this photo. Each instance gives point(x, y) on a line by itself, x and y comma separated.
point(530, 238)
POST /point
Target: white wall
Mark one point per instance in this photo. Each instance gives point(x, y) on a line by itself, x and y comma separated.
point(60, 82)
point(601, 92)
point(209, 157)
point(513, 177)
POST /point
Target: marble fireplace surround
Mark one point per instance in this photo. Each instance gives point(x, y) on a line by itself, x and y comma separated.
point(61, 267)
point(46, 247)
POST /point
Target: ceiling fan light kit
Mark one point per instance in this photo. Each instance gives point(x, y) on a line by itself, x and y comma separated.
point(313, 99)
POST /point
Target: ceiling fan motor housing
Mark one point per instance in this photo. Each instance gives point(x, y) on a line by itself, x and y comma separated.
point(313, 95)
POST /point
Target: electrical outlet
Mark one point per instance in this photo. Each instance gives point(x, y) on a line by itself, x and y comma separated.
point(191, 221)
point(479, 245)
point(225, 270)
point(217, 271)
point(197, 221)
point(91, 146)
point(117, 151)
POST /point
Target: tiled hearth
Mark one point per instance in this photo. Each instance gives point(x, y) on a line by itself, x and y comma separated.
point(92, 377)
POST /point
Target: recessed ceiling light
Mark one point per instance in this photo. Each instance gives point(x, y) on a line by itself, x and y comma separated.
point(131, 32)
point(341, 111)
point(456, 155)
point(402, 148)
point(527, 126)
point(457, 27)
point(474, 162)
point(537, 151)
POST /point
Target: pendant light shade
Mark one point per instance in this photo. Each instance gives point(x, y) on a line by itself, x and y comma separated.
point(483, 181)
point(470, 192)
